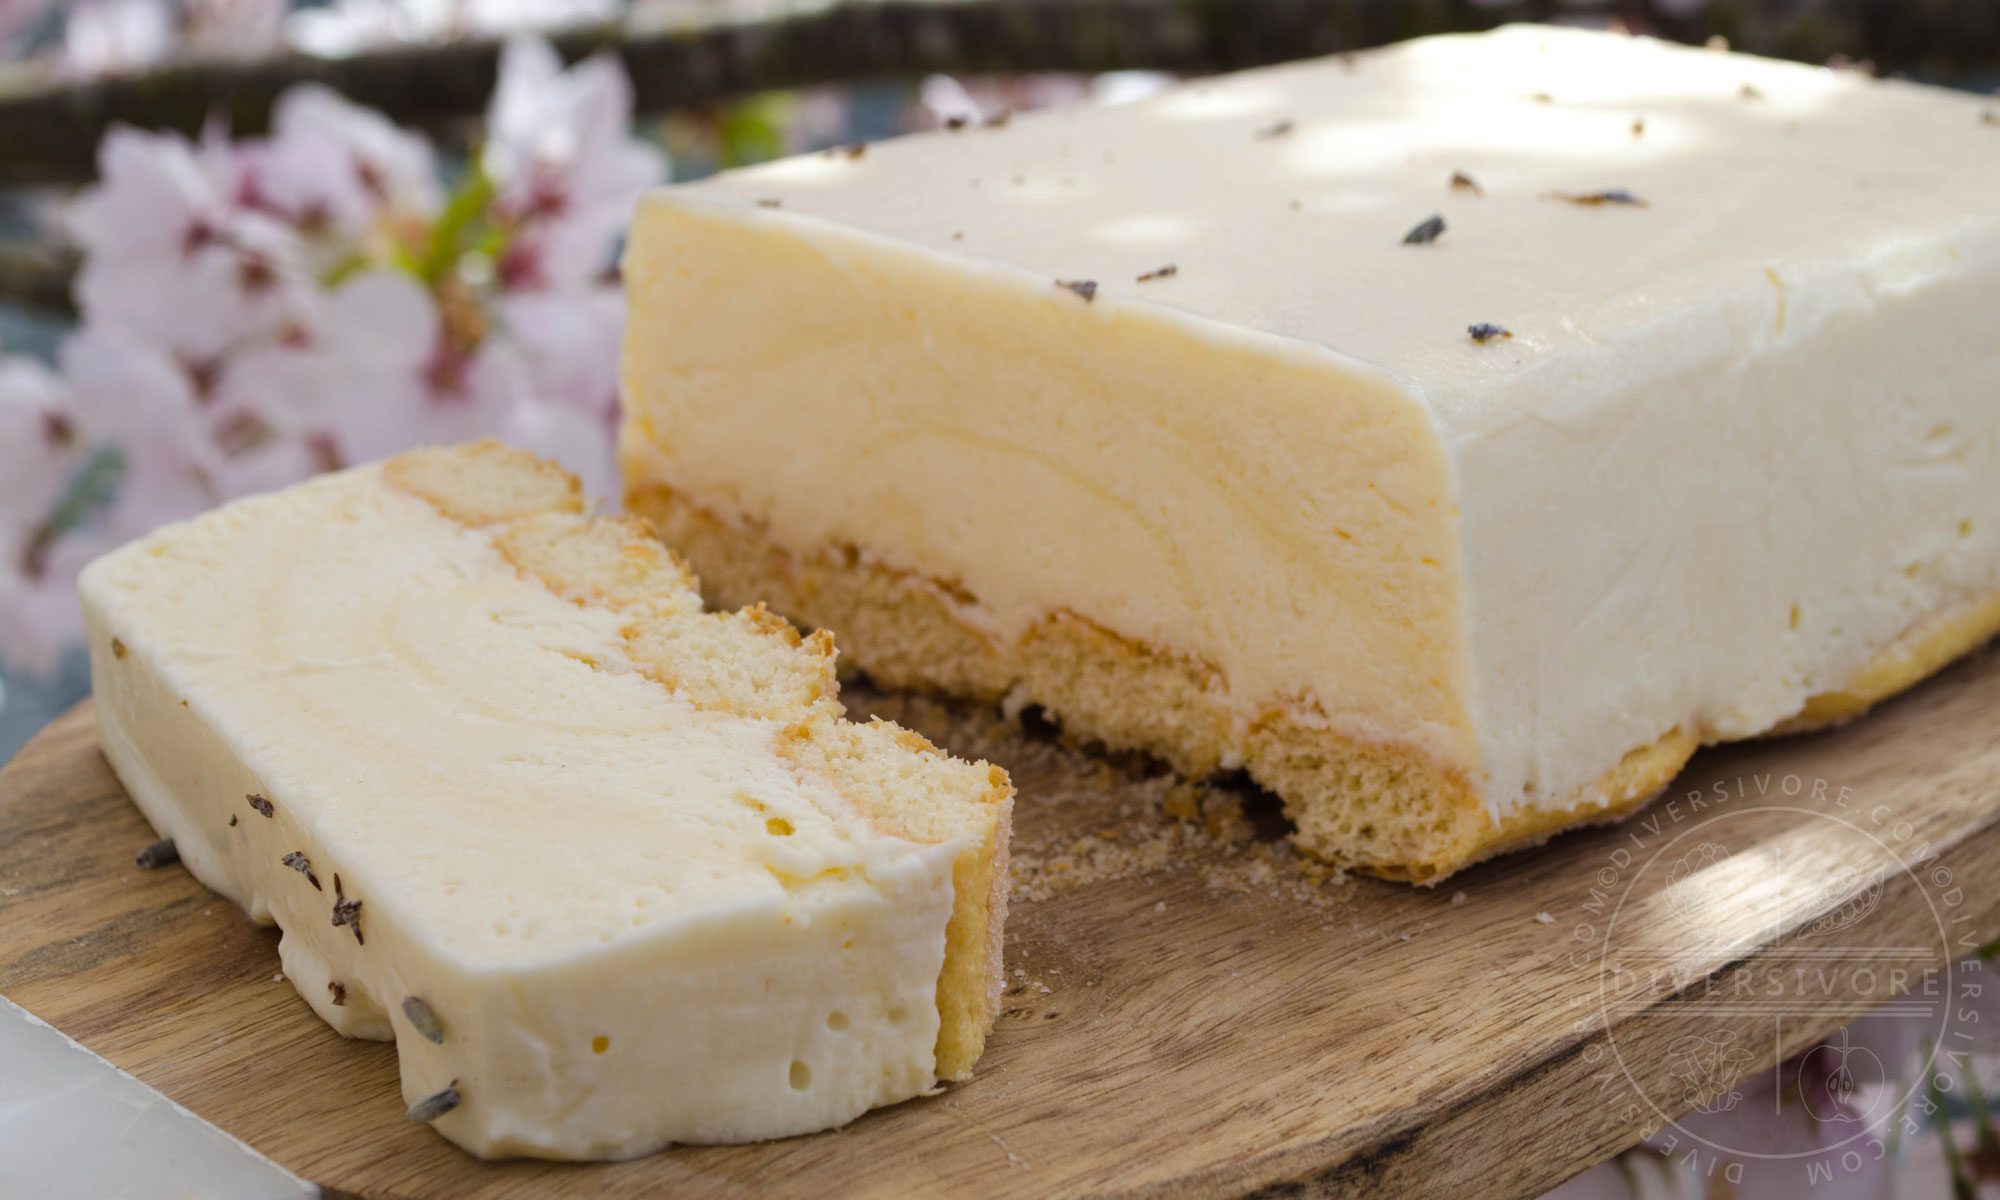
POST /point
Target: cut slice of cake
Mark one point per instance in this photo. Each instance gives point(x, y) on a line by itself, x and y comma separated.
point(612, 871)
point(1186, 420)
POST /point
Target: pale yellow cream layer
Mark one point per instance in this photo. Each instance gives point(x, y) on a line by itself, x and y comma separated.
point(1258, 505)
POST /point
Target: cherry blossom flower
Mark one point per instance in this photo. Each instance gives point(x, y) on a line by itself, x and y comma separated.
point(38, 454)
point(569, 342)
point(498, 18)
point(580, 442)
point(129, 394)
point(163, 223)
point(340, 174)
point(231, 28)
point(111, 37)
point(347, 27)
point(563, 165)
point(345, 388)
point(949, 103)
point(255, 311)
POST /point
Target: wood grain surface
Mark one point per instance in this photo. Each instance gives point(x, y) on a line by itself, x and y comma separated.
point(1189, 1010)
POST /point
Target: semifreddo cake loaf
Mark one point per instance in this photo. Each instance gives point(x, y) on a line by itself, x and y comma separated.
point(612, 871)
point(1456, 435)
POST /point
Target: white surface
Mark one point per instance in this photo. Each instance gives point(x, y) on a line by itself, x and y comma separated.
point(74, 1127)
point(1742, 438)
point(579, 873)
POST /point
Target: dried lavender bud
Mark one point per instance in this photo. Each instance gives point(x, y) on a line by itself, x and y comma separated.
point(117, 648)
point(430, 1108)
point(339, 991)
point(955, 123)
point(1426, 231)
point(232, 820)
point(346, 912)
point(1087, 288)
point(423, 1020)
point(1166, 272)
point(297, 862)
point(1484, 333)
point(261, 805)
point(855, 149)
point(1276, 129)
point(1596, 199)
point(1461, 182)
point(160, 854)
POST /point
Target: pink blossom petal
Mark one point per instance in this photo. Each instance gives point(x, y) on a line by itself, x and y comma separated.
point(111, 37)
point(346, 165)
point(570, 341)
point(585, 447)
point(231, 28)
point(169, 262)
point(37, 448)
point(564, 164)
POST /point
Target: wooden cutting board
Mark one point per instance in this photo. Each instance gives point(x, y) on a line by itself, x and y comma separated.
point(1188, 1010)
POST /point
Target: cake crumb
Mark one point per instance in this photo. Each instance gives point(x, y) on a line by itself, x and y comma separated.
point(1458, 897)
point(1140, 819)
point(1543, 918)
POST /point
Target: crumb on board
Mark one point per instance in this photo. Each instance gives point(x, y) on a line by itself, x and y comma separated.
point(1162, 823)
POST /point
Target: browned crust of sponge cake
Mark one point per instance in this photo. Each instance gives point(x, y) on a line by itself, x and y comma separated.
point(1376, 807)
point(754, 664)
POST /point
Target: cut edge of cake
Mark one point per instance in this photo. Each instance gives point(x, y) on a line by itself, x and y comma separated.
point(751, 662)
point(1370, 806)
